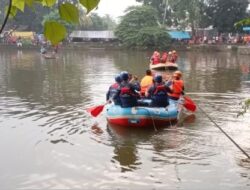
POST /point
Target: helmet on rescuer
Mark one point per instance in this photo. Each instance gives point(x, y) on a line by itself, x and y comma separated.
point(118, 79)
point(124, 75)
point(158, 78)
point(177, 74)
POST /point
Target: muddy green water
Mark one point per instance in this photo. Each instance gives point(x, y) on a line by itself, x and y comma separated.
point(48, 141)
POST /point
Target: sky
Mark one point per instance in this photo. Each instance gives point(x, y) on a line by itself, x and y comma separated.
point(114, 8)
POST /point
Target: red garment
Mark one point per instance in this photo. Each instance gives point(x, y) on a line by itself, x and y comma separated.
point(164, 57)
point(174, 57)
point(156, 60)
point(160, 88)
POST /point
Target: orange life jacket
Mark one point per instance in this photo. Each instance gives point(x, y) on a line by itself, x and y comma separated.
point(177, 88)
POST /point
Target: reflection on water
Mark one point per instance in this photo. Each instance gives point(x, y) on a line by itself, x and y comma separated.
point(50, 141)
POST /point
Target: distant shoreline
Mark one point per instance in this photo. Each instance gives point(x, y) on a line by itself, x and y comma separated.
point(240, 49)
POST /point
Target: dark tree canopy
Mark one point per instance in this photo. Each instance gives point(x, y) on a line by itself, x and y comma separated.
point(30, 19)
point(223, 14)
point(54, 31)
point(139, 27)
point(157, 4)
point(40, 14)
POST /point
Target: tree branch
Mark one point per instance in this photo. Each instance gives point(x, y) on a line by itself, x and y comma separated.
point(7, 16)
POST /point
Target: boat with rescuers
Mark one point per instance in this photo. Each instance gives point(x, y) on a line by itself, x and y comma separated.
point(163, 66)
point(144, 116)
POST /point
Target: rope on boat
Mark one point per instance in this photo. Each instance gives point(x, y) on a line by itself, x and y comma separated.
point(230, 138)
point(153, 122)
point(151, 119)
point(169, 120)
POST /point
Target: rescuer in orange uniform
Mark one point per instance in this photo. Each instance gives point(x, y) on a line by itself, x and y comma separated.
point(176, 85)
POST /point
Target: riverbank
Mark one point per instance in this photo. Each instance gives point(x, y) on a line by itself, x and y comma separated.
point(240, 49)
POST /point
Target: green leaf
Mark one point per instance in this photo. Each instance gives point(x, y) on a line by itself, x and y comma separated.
point(29, 2)
point(69, 12)
point(54, 32)
point(38, 1)
point(13, 11)
point(48, 3)
point(243, 22)
point(89, 4)
point(19, 4)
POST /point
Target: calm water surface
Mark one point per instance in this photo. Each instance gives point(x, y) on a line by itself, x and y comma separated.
point(48, 141)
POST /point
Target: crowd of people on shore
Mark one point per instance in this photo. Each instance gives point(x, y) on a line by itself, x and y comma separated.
point(170, 56)
point(128, 91)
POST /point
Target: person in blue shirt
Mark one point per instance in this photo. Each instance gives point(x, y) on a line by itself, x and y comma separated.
point(158, 93)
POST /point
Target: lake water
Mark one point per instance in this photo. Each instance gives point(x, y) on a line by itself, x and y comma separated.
point(49, 141)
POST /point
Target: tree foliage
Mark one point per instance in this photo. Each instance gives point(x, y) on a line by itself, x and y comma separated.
point(65, 13)
point(54, 16)
point(109, 21)
point(139, 27)
point(243, 22)
point(178, 13)
point(3, 4)
point(99, 23)
point(224, 13)
point(221, 14)
point(245, 107)
point(157, 4)
point(153, 37)
point(23, 18)
point(186, 14)
point(68, 12)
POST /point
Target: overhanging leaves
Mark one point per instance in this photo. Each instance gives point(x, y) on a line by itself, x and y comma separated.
point(48, 3)
point(69, 12)
point(13, 11)
point(29, 2)
point(54, 32)
point(244, 22)
point(89, 4)
point(19, 4)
